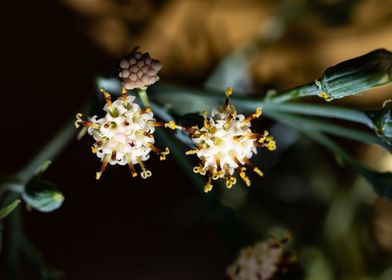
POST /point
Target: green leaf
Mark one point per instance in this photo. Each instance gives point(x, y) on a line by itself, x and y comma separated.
point(42, 195)
point(184, 100)
point(43, 167)
point(8, 209)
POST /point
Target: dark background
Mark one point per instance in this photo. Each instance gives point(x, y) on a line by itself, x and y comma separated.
point(125, 228)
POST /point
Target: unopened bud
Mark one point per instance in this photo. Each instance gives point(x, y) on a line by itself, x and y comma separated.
point(356, 75)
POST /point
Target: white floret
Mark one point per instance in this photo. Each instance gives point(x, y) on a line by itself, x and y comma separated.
point(122, 132)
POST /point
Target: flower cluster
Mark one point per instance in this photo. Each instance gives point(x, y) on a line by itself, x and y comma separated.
point(226, 143)
point(139, 70)
point(261, 261)
point(124, 135)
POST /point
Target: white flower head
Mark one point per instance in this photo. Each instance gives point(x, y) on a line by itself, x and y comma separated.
point(261, 261)
point(124, 135)
point(139, 70)
point(226, 143)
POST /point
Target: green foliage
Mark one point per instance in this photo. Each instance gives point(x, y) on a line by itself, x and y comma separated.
point(382, 120)
point(9, 208)
point(42, 195)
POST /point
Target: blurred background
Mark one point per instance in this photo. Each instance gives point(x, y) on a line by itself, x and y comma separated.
point(163, 228)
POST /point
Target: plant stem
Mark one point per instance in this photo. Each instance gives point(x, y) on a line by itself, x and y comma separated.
point(14, 225)
point(143, 97)
point(50, 150)
point(305, 90)
point(165, 116)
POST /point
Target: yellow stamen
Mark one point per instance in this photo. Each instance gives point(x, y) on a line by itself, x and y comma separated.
point(255, 115)
point(271, 144)
point(107, 97)
point(208, 186)
point(218, 164)
point(93, 149)
point(200, 170)
point(124, 96)
point(172, 125)
point(236, 160)
point(230, 181)
point(145, 173)
point(164, 154)
point(131, 167)
point(114, 155)
point(155, 149)
point(264, 137)
point(228, 121)
point(83, 122)
point(247, 161)
point(229, 91)
point(325, 95)
point(148, 134)
point(206, 120)
point(78, 120)
point(192, 152)
point(244, 177)
point(103, 166)
point(156, 124)
point(258, 171)
point(254, 136)
point(218, 174)
point(145, 110)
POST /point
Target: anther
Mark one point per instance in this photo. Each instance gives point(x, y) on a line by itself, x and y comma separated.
point(208, 186)
point(103, 166)
point(255, 115)
point(229, 91)
point(107, 97)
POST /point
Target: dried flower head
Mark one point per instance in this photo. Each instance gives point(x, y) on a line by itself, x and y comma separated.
point(261, 261)
point(226, 143)
point(124, 135)
point(139, 70)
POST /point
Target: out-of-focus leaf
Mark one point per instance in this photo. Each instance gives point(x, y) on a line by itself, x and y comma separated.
point(43, 167)
point(382, 120)
point(380, 181)
point(111, 85)
point(42, 195)
point(233, 72)
point(184, 101)
point(8, 209)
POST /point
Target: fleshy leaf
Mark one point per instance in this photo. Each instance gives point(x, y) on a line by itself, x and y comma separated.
point(42, 195)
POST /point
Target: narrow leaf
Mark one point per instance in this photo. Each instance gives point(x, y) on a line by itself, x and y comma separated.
point(8, 209)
